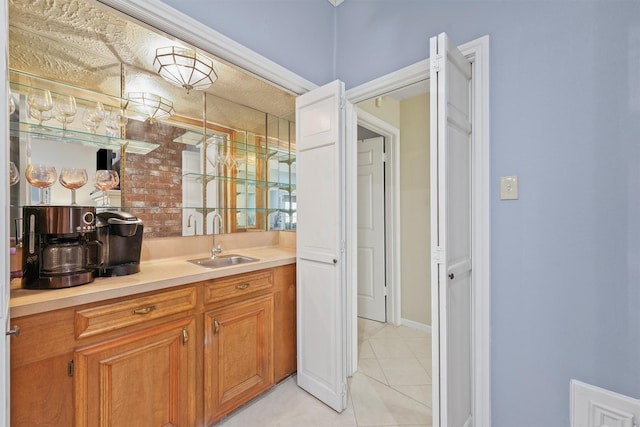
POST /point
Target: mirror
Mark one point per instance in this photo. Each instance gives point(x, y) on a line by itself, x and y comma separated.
point(229, 149)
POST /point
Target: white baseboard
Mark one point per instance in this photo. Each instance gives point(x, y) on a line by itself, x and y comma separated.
point(592, 406)
point(416, 325)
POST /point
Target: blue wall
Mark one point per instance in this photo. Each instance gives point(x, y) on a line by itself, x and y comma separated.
point(565, 118)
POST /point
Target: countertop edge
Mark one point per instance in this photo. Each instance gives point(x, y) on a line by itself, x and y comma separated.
point(154, 275)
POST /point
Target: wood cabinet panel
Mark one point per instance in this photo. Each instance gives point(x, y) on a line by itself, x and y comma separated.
point(38, 403)
point(285, 351)
point(238, 355)
point(113, 316)
point(146, 378)
point(239, 286)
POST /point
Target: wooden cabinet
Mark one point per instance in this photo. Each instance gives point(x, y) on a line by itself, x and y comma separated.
point(184, 356)
point(238, 355)
point(146, 378)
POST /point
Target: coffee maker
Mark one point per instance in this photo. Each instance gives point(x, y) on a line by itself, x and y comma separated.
point(59, 246)
point(121, 236)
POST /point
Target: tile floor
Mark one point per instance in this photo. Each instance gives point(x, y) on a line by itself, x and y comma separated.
point(391, 388)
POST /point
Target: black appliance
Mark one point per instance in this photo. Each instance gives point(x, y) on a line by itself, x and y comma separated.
point(59, 246)
point(121, 236)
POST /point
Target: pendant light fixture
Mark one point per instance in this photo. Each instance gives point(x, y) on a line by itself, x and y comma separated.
point(184, 67)
point(152, 106)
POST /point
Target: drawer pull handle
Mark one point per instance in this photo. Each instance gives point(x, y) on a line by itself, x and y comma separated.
point(216, 327)
point(243, 286)
point(185, 336)
point(144, 310)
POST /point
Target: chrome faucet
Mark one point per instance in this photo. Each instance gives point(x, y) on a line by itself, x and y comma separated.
point(216, 250)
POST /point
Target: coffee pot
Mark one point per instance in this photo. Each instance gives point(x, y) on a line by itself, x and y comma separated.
point(60, 248)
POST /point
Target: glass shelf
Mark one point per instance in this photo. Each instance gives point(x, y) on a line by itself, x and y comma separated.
point(68, 136)
point(200, 177)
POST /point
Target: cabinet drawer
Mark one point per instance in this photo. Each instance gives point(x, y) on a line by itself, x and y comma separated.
point(110, 317)
point(237, 286)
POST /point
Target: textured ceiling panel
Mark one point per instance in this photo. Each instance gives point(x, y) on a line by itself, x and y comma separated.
point(86, 45)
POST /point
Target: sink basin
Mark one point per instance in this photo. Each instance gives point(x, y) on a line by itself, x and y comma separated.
point(222, 261)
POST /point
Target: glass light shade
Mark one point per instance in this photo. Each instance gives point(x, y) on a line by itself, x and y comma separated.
point(153, 106)
point(185, 68)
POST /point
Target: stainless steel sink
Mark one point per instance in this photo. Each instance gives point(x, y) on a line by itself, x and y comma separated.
point(223, 260)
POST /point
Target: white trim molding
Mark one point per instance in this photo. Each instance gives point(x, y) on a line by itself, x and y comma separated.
point(163, 17)
point(416, 325)
point(336, 3)
point(477, 51)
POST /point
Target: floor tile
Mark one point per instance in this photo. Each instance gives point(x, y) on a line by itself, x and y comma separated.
point(420, 347)
point(421, 393)
point(365, 351)
point(404, 372)
point(372, 369)
point(388, 348)
point(375, 404)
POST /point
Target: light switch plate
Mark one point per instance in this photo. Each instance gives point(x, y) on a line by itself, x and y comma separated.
point(508, 188)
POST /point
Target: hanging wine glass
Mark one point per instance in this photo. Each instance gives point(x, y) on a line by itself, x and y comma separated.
point(105, 180)
point(92, 117)
point(14, 174)
point(41, 177)
point(40, 104)
point(65, 108)
point(73, 178)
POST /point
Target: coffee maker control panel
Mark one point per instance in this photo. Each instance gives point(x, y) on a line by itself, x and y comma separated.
point(89, 223)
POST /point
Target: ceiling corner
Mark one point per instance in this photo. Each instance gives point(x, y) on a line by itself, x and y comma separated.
point(336, 3)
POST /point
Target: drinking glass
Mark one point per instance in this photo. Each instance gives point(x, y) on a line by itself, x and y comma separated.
point(41, 177)
point(65, 107)
point(73, 178)
point(92, 117)
point(105, 180)
point(114, 122)
point(14, 174)
point(40, 104)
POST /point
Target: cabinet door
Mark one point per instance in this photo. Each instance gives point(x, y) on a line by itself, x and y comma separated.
point(146, 378)
point(238, 355)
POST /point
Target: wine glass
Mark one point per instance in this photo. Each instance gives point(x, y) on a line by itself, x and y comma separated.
point(73, 178)
point(114, 122)
point(40, 104)
point(92, 117)
point(105, 180)
point(65, 107)
point(41, 176)
point(14, 174)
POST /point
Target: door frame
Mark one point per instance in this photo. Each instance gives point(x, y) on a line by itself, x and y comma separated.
point(477, 51)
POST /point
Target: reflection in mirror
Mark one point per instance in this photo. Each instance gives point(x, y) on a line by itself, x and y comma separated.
point(227, 150)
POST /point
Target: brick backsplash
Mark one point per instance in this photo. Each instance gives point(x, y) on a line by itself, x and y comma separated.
point(155, 179)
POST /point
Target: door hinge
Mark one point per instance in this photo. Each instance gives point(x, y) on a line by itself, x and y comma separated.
point(384, 157)
point(437, 63)
point(437, 255)
point(386, 292)
point(70, 368)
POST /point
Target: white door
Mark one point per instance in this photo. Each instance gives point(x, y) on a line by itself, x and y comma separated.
point(371, 249)
point(321, 266)
point(4, 224)
point(451, 232)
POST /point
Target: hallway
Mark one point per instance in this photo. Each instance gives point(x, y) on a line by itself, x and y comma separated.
point(391, 388)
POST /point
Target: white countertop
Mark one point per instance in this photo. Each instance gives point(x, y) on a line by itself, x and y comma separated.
point(157, 274)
